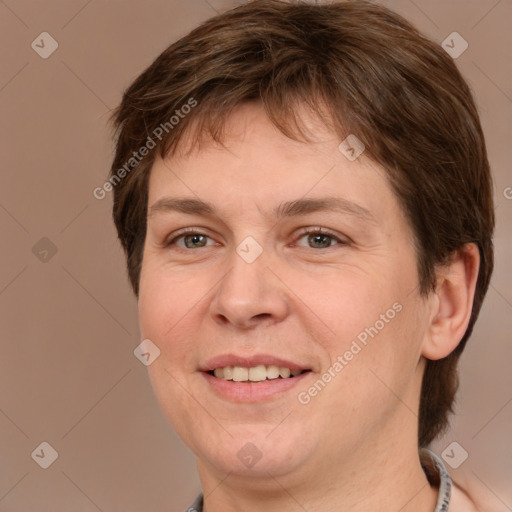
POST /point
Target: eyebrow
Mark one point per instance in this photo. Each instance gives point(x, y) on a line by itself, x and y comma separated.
point(299, 207)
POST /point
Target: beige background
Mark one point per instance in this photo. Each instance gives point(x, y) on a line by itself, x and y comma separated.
point(68, 375)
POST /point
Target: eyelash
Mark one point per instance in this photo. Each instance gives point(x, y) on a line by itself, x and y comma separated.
point(322, 231)
point(306, 231)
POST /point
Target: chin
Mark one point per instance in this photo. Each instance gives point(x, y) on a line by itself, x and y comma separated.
point(252, 452)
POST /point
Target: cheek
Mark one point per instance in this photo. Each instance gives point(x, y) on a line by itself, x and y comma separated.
point(165, 302)
point(379, 324)
point(166, 317)
point(381, 359)
point(355, 308)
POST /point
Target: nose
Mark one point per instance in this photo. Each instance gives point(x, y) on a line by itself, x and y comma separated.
point(249, 295)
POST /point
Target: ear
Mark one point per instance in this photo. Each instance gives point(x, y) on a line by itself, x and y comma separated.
point(452, 302)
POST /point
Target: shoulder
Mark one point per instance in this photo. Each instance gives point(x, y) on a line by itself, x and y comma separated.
point(461, 500)
point(468, 497)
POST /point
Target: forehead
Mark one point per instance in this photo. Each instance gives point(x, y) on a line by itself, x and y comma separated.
point(257, 165)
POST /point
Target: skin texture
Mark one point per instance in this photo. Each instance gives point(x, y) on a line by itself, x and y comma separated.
point(304, 299)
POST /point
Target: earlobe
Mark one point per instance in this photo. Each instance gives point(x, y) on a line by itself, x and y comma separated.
point(453, 302)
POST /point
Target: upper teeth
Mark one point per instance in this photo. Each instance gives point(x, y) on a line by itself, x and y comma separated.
point(254, 374)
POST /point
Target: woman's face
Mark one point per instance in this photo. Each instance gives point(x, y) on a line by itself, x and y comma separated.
point(294, 257)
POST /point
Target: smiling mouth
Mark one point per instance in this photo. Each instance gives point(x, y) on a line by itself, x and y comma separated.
point(258, 373)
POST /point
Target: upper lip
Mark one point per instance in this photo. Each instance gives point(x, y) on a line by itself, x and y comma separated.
point(224, 360)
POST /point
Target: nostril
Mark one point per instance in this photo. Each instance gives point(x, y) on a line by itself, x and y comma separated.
point(262, 315)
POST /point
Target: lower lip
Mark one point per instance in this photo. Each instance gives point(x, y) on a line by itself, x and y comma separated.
point(252, 391)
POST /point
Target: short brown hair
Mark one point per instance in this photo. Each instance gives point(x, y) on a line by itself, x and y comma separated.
point(364, 70)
